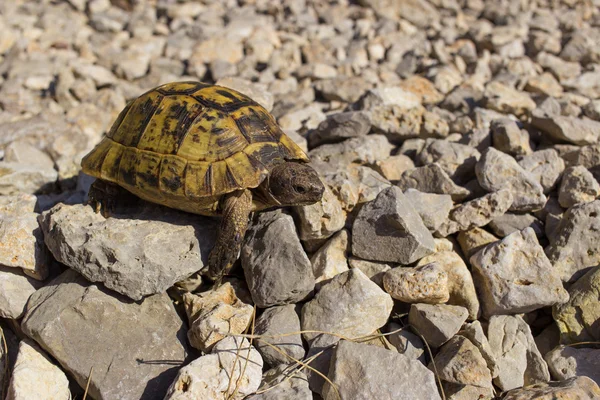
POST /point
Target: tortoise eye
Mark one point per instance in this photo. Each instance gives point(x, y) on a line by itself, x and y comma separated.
point(300, 189)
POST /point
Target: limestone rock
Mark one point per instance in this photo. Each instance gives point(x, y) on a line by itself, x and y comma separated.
point(514, 276)
point(567, 362)
point(214, 314)
point(474, 332)
point(373, 269)
point(279, 384)
point(135, 255)
point(362, 371)
point(508, 138)
point(581, 388)
point(473, 240)
point(496, 170)
point(567, 129)
point(322, 219)
point(505, 99)
point(15, 290)
point(256, 91)
point(331, 258)
point(426, 284)
point(276, 267)
point(578, 318)
point(508, 223)
point(546, 166)
point(393, 167)
point(356, 184)
point(35, 376)
point(437, 323)
point(25, 177)
point(278, 325)
point(389, 229)
point(517, 357)
point(233, 366)
point(578, 186)
point(432, 208)
point(432, 179)
point(64, 315)
point(457, 160)
point(339, 127)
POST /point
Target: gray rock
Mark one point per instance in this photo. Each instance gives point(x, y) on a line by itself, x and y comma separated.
point(507, 100)
point(582, 388)
point(389, 96)
point(459, 361)
point(437, 323)
point(476, 213)
point(578, 318)
point(586, 84)
point(578, 186)
point(575, 243)
point(280, 326)
point(508, 138)
point(432, 179)
point(25, 178)
point(474, 332)
point(517, 357)
point(276, 267)
point(374, 270)
point(389, 229)
point(35, 376)
point(432, 208)
point(546, 166)
point(233, 370)
point(345, 89)
point(508, 223)
point(567, 129)
point(350, 296)
point(331, 259)
point(397, 123)
point(406, 342)
point(339, 127)
point(322, 219)
point(280, 384)
point(15, 290)
point(393, 167)
point(457, 160)
point(215, 314)
point(360, 371)
point(473, 240)
point(496, 170)
point(514, 276)
point(136, 254)
point(434, 126)
point(128, 337)
point(561, 69)
point(426, 284)
point(566, 362)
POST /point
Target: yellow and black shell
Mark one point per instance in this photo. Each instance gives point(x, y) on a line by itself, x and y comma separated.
point(185, 144)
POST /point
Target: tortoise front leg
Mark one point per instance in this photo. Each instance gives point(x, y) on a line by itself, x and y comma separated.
point(236, 210)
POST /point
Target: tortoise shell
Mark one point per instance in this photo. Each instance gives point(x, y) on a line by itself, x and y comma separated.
point(185, 144)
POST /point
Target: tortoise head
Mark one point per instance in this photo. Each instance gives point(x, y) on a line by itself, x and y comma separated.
point(295, 184)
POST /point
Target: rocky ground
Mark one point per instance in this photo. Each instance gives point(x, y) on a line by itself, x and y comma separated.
point(455, 252)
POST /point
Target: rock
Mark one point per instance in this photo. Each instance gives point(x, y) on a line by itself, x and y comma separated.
point(393, 167)
point(217, 48)
point(423, 88)
point(355, 185)
point(518, 359)
point(25, 178)
point(509, 139)
point(302, 119)
point(437, 323)
point(276, 267)
point(432, 208)
point(574, 244)
point(460, 282)
point(582, 388)
point(322, 219)
point(578, 186)
point(496, 170)
point(586, 84)
point(398, 123)
point(215, 314)
point(361, 371)
point(432, 179)
point(546, 166)
point(345, 89)
point(331, 258)
point(460, 362)
point(476, 213)
point(567, 129)
point(507, 100)
point(279, 384)
point(561, 69)
point(394, 226)
point(372, 269)
point(406, 342)
point(473, 240)
point(544, 84)
point(389, 96)
point(339, 127)
point(256, 91)
point(434, 126)
point(281, 326)
point(349, 296)
point(457, 160)
point(35, 376)
point(136, 254)
point(21, 239)
point(25, 153)
point(566, 362)
point(426, 284)
point(474, 332)
point(514, 276)
point(15, 290)
point(577, 318)
point(233, 370)
point(63, 316)
point(508, 223)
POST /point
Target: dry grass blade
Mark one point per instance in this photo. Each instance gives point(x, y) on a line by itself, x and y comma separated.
point(237, 383)
point(6, 372)
point(582, 344)
point(87, 385)
point(435, 372)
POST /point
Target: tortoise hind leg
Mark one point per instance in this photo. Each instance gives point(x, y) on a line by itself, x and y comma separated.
point(104, 197)
point(236, 210)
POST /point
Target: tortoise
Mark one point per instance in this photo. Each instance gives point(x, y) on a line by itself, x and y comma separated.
point(203, 149)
